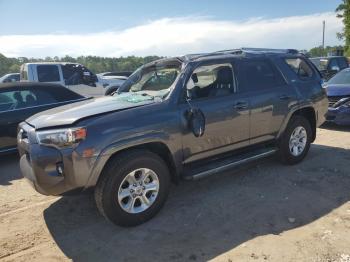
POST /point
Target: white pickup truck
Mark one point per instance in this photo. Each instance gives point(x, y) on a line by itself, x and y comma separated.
point(71, 75)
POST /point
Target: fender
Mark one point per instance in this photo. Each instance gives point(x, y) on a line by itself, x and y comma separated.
point(130, 142)
point(290, 113)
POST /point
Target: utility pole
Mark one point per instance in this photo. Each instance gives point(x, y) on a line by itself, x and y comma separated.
point(324, 29)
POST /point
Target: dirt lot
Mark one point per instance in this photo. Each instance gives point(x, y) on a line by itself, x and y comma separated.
point(265, 212)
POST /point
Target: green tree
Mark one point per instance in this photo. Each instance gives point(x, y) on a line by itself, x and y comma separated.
point(96, 64)
point(343, 12)
point(319, 51)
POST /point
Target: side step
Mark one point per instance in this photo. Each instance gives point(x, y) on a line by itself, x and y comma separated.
point(220, 165)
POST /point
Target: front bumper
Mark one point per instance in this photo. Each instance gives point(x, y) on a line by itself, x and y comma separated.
point(339, 115)
point(40, 164)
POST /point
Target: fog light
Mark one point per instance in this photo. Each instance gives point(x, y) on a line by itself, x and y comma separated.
point(59, 168)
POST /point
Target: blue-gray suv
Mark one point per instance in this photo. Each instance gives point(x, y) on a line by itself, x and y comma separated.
point(176, 118)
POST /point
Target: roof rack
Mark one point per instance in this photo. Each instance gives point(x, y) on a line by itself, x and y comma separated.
point(259, 50)
point(243, 50)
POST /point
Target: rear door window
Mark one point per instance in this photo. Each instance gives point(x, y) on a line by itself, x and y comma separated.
point(72, 74)
point(333, 63)
point(257, 75)
point(48, 73)
point(300, 67)
point(21, 99)
point(342, 63)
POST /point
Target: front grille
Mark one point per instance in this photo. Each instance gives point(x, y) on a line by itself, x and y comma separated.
point(334, 99)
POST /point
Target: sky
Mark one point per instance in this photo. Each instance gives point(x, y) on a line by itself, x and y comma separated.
point(40, 28)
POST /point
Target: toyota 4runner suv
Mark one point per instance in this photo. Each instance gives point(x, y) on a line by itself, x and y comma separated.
point(186, 117)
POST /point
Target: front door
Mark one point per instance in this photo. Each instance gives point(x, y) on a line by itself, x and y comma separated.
point(212, 89)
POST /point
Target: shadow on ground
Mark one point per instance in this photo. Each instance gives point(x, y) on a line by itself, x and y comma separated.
point(9, 169)
point(204, 219)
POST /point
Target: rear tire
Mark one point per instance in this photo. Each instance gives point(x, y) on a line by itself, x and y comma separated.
point(132, 203)
point(295, 142)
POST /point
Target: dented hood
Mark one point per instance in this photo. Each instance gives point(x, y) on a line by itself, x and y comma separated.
point(69, 114)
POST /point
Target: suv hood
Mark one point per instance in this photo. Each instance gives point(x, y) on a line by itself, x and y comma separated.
point(69, 114)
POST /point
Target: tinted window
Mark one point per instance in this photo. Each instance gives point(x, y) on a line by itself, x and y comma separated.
point(258, 75)
point(300, 67)
point(342, 63)
point(10, 100)
point(72, 74)
point(48, 73)
point(211, 81)
point(333, 63)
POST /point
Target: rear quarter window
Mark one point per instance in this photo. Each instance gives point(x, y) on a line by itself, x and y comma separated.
point(48, 73)
point(300, 68)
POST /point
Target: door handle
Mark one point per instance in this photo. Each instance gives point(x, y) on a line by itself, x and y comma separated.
point(240, 105)
point(285, 97)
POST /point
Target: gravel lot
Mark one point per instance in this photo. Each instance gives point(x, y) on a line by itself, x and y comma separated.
point(264, 212)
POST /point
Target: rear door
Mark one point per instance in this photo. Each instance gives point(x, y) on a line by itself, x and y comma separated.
point(269, 95)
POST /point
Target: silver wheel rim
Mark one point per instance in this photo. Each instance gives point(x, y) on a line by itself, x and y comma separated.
point(297, 141)
point(138, 190)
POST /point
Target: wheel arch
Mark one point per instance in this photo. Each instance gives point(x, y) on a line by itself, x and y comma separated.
point(158, 147)
point(309, 113)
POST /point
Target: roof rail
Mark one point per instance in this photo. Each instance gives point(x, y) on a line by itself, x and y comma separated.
point(243, 50)
point(270, 50)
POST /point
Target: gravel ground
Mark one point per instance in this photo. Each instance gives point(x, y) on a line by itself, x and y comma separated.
point(264, 212)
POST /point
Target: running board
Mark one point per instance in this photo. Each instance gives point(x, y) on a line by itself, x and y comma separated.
point(229, 163)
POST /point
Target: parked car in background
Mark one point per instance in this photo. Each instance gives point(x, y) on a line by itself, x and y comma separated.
point(74, 76)
point(338, 92)
point(329, 66)
point(8, 78)
point(19, 101)
point(183, 117)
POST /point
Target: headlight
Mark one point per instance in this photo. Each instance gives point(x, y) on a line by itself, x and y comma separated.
point(61, 137)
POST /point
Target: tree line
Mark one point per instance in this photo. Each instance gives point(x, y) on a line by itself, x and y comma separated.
point(95, 63)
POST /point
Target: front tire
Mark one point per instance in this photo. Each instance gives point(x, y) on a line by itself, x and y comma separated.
point(133, 188)
point(295, 142)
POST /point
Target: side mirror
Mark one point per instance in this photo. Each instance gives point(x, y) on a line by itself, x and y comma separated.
point(196, 122)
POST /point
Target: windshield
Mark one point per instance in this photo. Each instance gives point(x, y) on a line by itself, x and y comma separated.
point(155, 80)
point(320, 63)
point(341, 78)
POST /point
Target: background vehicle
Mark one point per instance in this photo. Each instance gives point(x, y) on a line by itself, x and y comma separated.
point(329, 66)
point(184, 117)
point(8, 78)
point(19, 101)
point(74, 76)
point(338, 92)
